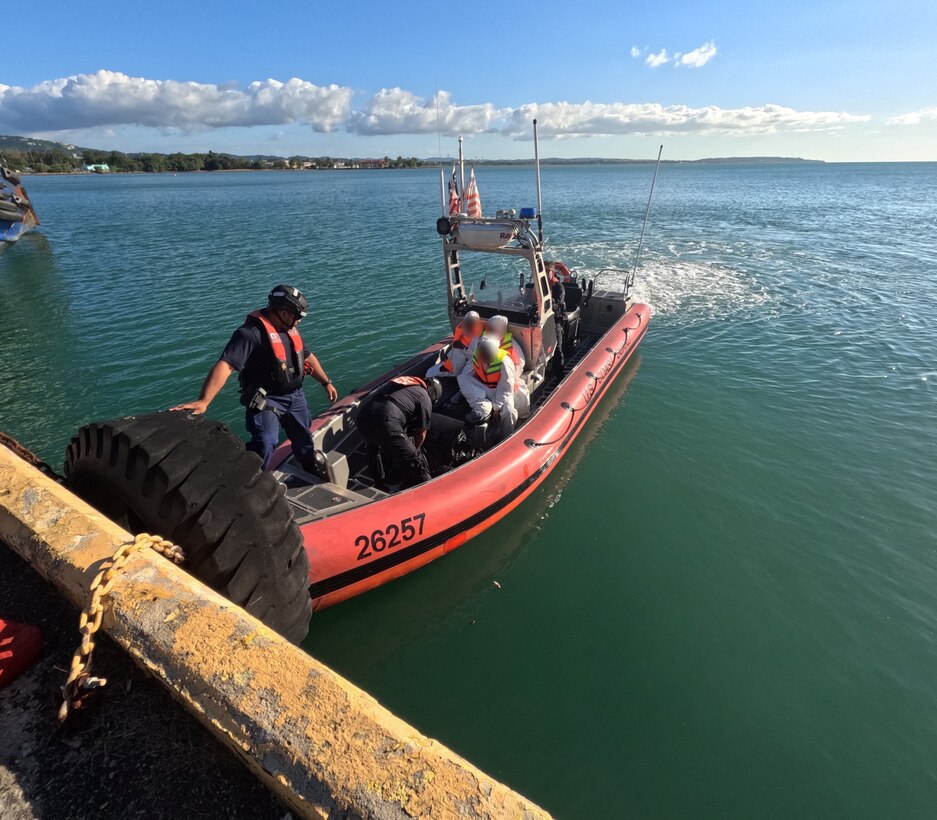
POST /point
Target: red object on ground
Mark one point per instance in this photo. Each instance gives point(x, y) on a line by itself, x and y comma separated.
point(20, 648)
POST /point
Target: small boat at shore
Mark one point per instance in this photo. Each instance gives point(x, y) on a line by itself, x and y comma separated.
point(299, 537)
point(17, 216)
point(358, 535)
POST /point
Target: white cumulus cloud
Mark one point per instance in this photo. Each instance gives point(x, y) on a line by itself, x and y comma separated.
point(563, 119)
point(698, 57)
point(635, 51)
point(655, 60)
point(94, 103)
point(108, 98)
point(395, 111)
point(914, 117)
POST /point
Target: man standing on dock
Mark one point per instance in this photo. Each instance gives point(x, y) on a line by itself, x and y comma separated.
point(268, 353)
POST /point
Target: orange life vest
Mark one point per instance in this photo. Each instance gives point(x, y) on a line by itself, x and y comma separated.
point(490, 374)
point(282, 370)
point(461, 339)
point(508, 348)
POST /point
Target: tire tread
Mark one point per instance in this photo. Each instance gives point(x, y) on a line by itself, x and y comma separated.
point(191, 480)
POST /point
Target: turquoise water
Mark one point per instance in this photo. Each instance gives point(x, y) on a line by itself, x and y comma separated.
point(723, 602)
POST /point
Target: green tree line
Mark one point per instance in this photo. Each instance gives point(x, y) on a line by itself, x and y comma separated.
point(58, 161)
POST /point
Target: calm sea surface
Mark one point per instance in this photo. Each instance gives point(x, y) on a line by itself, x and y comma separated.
point(724, 601)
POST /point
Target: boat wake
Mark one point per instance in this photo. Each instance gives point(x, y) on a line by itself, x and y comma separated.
point(690, 283)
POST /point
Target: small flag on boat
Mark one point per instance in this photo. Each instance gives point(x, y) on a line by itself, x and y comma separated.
point(454, 203)
point(473, 203)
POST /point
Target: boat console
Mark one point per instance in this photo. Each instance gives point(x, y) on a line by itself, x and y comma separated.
point(511, 253)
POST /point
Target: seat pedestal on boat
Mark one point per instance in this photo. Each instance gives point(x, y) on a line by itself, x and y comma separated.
point(313, 497)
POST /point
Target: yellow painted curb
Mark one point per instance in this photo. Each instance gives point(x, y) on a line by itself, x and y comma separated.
point(320, 743)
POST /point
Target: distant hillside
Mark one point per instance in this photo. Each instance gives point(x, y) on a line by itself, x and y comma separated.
point(26, 144)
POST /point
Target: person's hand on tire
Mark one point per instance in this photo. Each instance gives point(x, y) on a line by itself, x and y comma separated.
point(196, 407)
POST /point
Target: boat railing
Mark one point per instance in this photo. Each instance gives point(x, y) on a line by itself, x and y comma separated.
point(626, 284)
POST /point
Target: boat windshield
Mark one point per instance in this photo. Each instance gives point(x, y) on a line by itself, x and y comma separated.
point(497, 281)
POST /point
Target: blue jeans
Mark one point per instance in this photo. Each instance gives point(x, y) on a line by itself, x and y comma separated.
point(292, 412)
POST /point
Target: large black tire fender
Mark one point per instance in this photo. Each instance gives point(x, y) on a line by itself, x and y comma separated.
point(189, 479)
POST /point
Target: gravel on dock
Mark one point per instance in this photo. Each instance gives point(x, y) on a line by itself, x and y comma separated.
point(135, 753)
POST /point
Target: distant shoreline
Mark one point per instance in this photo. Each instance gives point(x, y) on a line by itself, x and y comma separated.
point(489, 163)
point(429, 164)
point(37, 157)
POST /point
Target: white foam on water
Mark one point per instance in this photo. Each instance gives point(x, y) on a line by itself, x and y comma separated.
point(697, 291)
point(677, 282)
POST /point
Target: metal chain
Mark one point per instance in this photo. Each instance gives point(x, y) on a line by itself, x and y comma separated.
point(28, 456)
point(80, 682)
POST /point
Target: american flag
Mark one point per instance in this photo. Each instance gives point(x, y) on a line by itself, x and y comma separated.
point(473, 203)
point(454, 204)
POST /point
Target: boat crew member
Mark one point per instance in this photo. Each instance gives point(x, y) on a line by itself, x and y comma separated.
point(497, 328)
point(466, 332)
point(268, 353)
point(487, 383)
point(562, 272)
point(394, 422)
point(558, 295)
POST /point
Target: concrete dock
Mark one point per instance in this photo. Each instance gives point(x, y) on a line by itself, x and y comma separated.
point(321, 745)
point(135, 754)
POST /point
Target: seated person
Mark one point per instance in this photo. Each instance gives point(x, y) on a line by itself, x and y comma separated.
point(487, 383)
point(497, 328)
point(456, 357)
point(393, 422)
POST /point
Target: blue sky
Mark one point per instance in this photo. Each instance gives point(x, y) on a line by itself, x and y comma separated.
point(827, 80)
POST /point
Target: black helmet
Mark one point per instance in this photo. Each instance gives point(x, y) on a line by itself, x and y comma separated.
point(434, 388)
point(290, 298)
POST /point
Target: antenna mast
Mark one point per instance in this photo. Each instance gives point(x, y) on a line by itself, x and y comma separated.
point(438, 133)
point(647, 210)
point(461, 172)
point(539, 192)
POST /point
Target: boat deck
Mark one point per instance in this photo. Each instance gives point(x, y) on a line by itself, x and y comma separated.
point(312, 498)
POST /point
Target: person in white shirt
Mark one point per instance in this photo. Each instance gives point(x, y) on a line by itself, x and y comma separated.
point(488, 383)
point(465, 333)
point(497, 328)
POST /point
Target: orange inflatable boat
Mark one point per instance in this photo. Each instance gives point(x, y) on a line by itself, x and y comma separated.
point(359, 536)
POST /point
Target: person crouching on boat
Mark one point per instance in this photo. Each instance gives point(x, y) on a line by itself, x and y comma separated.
point(487, 383)
point(269, 355)
point(466, 332)
point(497, 328)
point(394, 422)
